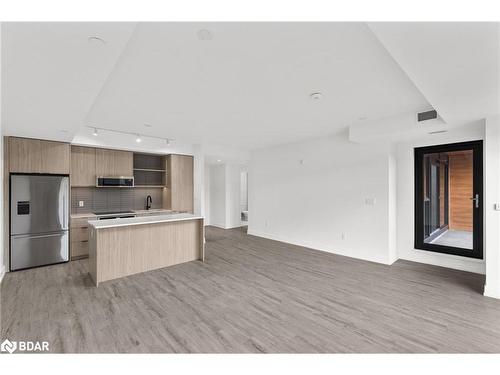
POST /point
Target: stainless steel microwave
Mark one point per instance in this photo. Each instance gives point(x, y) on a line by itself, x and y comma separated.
point(114, 181)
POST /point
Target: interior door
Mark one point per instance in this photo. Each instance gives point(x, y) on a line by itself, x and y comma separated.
point(448, 199)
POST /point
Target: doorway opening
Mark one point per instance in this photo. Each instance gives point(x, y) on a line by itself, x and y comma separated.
point(244, 198)
point(448, 191)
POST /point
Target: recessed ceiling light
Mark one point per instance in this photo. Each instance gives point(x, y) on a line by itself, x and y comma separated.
point(316, 96)
point(218, 160)
point(138, 139)
point(94, 133)
point(96, 40)
point(204, 34)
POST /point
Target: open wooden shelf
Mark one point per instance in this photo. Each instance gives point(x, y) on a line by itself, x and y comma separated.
point(149, 170)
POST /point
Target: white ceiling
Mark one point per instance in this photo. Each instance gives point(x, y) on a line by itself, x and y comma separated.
point(455, 64)
point(248, 87)
point(51, 74)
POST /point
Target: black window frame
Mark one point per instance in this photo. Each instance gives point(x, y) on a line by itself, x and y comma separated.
point(419, 244)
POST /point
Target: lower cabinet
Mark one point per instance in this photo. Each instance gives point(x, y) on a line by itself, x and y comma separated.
point(79, 238)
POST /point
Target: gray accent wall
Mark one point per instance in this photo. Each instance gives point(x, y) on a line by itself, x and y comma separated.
point(113, 199)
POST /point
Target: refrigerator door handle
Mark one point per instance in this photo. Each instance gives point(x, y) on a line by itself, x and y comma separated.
point(38, 235)
point(65, 225)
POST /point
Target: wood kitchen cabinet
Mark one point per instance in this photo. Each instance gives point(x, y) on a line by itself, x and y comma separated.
point(83, 166)
point(38, 156)
point(179, 195)
point(55, 157)
point(114, 163)
point(79, 238)
point(25, 155)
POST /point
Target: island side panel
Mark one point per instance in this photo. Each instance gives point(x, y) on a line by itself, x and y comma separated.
point(127, 250)
point(93, 255)
point(202, 240)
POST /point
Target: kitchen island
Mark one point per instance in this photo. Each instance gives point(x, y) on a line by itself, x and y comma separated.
point(126, 246)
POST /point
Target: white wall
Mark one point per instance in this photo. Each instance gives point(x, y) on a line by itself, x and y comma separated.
point(492, 196)
point(244, 191)
point(317, 194)
point(217, 195)
point(233, 191)
point(206, 200)
point(405, 200)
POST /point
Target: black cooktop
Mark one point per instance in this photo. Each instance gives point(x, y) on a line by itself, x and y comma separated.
point(113, 213)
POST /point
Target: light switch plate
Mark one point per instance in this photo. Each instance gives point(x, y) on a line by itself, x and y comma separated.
point(81, 203)
point(370, 201)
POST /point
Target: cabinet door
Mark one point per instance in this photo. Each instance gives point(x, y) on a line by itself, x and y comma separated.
point(55, 157)
point(24, 155)
point(83, 166)
point(114, 163)
point(180, 182)
point(79, 249)
point(123, 163)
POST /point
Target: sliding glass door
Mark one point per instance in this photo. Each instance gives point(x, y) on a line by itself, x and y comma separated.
point(448, 191)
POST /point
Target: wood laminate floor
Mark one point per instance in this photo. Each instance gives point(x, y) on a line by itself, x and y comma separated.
point(254, 295)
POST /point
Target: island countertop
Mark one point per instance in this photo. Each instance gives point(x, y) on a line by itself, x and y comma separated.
point(140, 220)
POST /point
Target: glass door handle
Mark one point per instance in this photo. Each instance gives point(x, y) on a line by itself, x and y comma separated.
point(476, 200)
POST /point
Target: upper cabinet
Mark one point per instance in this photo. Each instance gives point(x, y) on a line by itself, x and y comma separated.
point(114, 163)
point(55, 157)
point(180, 184)
point(83, 166)
point(25, 155)
point(37, 156)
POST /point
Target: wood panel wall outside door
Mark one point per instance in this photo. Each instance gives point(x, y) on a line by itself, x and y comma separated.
point(461, 190)
point(83, 171)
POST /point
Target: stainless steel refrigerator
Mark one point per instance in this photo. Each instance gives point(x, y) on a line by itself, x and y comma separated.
point(39, 217)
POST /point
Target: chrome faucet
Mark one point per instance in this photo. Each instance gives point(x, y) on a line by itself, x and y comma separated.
point(149, 202)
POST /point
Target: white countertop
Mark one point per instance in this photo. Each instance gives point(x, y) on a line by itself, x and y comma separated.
point(150, 219)
point(151, 211)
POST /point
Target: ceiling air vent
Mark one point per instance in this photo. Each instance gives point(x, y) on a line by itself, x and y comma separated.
point(428, 115)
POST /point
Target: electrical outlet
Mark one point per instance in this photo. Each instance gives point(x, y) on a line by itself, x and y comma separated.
point(81, 203)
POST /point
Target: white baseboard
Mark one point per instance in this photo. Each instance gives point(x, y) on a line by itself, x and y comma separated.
point(223, 227)
point(2, 273)
point(312, 247)
point(217, 226)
